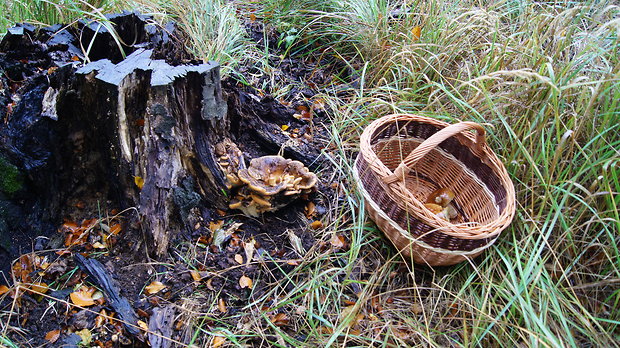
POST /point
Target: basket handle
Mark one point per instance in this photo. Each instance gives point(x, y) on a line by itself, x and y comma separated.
point(431, 142)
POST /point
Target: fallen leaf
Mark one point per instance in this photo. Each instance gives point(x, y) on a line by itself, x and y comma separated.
point(280, 319)
point(144, 326)
point(86, 337)
point(83, 297)
point(138, 181)
point(239, 259)
point(101, 318)
point(210, 284)
point(221, 305)
point(75, 58)
point(218, 341)
point(215, 225)
point(249, 248)
point(195, 275)
point(252, 17)
point(337, 241)
point(316, 225)
point(98, 245)
point(3, 289)
point(284, 127)
point(416, 32)
point(245, 282)
point(52, 336)
point(154, 287)
point(310, 209)
point(40, 288)
point(115, 229)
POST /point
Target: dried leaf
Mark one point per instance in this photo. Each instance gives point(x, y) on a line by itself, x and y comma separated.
point(310, 210)
point(215, 225)
point(316, 225)
point(154, 287)
point(249, 247)
point(101, 318)
point(98, 245)
point(284, 127)
point(218, 341)
point(83, 297)
point(416, 33)
point(3, 289)
point(245, 282)
point(86, 337)
point(239, 259)
point(40, 288)
point(210, 284)
point(221, 305)
point(115, 229)
point(252, 17)
point(144, 326)
point(337, 241)
point(139, 181)
point(52, 336)
point(280, 319)
point(195, 275)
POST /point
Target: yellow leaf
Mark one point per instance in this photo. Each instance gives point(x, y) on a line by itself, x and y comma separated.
point(3, 289)
point(154, 287)
point(83, 297)
point(239, 259)
point(284, 127)
point(139, 181)
point(416, 32)
point(86, 336)
point(245, 282)
point(218, 341)
point(144, 326)
point(52, 336)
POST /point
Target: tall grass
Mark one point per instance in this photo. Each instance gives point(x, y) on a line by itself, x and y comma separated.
point(47, 12)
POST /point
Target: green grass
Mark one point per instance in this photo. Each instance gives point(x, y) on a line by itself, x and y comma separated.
point(544, 78)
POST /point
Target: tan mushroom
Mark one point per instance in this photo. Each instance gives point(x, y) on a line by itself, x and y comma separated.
point(230, 159)
point(270, 183)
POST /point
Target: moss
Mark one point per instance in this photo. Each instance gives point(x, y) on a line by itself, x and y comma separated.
point(10, 177)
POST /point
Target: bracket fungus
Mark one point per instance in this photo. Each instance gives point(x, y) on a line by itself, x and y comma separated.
point(230, 160)
point(270, 183)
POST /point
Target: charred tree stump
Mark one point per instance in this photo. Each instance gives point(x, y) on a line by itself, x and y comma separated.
point(154, 125)
point(139, 131)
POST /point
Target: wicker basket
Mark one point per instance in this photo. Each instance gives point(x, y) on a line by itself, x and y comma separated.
point(403, 158)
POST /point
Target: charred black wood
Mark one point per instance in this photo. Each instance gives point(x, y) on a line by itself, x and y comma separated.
point(103, 279)
point(160, 326)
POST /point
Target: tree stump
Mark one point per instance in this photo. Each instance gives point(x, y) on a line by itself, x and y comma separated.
point(140, 130)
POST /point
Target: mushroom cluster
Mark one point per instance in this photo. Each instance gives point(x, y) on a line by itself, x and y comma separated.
point(230, 160)
point(270, 183)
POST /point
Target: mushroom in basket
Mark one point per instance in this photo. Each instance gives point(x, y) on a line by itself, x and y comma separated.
point(439, 203)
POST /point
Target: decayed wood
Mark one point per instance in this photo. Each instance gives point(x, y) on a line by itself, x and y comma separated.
point(160, 326)
point(157, 123)
point(103, 279)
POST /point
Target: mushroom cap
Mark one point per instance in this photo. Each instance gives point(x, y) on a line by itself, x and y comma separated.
point(269, 175)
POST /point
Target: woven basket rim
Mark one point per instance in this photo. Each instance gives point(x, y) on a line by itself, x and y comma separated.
point(416, 207)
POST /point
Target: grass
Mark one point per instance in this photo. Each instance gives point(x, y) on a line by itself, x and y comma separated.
point(544, 78)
